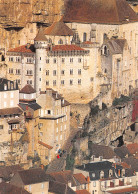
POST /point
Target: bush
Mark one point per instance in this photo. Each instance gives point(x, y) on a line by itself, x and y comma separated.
point(69, 162)
point(121, 100)
point(94, 110)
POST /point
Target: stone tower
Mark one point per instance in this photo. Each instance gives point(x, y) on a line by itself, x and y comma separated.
point(40, 44)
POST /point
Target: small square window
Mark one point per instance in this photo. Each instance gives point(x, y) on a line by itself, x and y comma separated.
point(54, 60)
point(71, 82)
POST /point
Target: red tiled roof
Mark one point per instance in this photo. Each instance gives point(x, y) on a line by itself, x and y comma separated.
point(80, 178)
point(133, 148)
point(88, 42)
point(58, 29)
point(124, 190)
point(45, 145)
point(27, 89)
point(82, 192)
point(23, 49)
point(99, 11)
point(67, 48)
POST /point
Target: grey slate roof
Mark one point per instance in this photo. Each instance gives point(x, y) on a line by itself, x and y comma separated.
point(9, 84)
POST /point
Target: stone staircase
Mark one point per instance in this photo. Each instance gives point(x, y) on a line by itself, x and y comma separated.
point(59, 164)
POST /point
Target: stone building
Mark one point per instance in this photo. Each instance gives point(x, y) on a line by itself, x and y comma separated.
point(54, 124)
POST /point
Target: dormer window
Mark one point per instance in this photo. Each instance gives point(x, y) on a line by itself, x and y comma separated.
point(100, 158)
point(110, 173)
point(102, 174)
point(5, 86)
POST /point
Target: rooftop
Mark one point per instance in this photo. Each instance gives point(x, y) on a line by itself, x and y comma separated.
point(32, 176)
point(58, 29)
point(7, 188)
point(71, 47)
point(126, 190)
point(45, 145)
point(28, 89)
point(11, 111)
point(23, 49)
point(84, 191)
point(40, 36)
point(99, 11)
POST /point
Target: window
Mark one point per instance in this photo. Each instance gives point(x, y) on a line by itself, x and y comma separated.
point(29, 60)
point(5, 95)
point(11, 103)
point(105, 50)
point(56, 138)
point(10, 70)
point(63, 60)
point(102, 174)
point(62, 72)
point(54, 72)
point(62, 82)
point(84, 37)
point(42, 186)
point(60, 137)
point(5, 86)
point(40, 79)
point(54, 60)
point(18, 42)
point(18, 59)
point(11, 59)
point(54, 82)
point(11, 95)
point(79, 71)
point(79, 60)
point(18, 81)
point(29, 187)
point(93, 174)
point(47, 83)
point(57, 129)
point(60, 41)
point(49, 112)
point(71, 82)
point(71, 71)
point(71, 60)
point(29, 82)
point(105, 71)
point(47, 60)
point(47, 72)
point(79, 81)
point(1, 126)
point(94, 184)
point(29, 72)
point(40, 58)
point(18, 71)
point(5, 104)
point(100, 158)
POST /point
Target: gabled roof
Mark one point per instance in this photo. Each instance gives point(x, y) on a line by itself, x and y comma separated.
point(80, 178)
point(23, 49)
point(6, 171)
point(40, 36)
point(28, 89)
point(32, 176)
point(7, 188)
point(116, 46)
point(11, 111)
point(100, 150)
point(60, 188)
point(96, 166)
point(58, 29)
point(133, 148)
point(84, 191)
point(122, 151)
point(71, 47)
point(99, 11)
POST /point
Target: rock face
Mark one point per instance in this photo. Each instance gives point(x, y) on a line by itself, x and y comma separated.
point(19, 17)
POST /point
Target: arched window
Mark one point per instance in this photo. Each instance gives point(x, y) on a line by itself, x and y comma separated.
point(60, 41)
point(105, 71)
point(84, 37)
